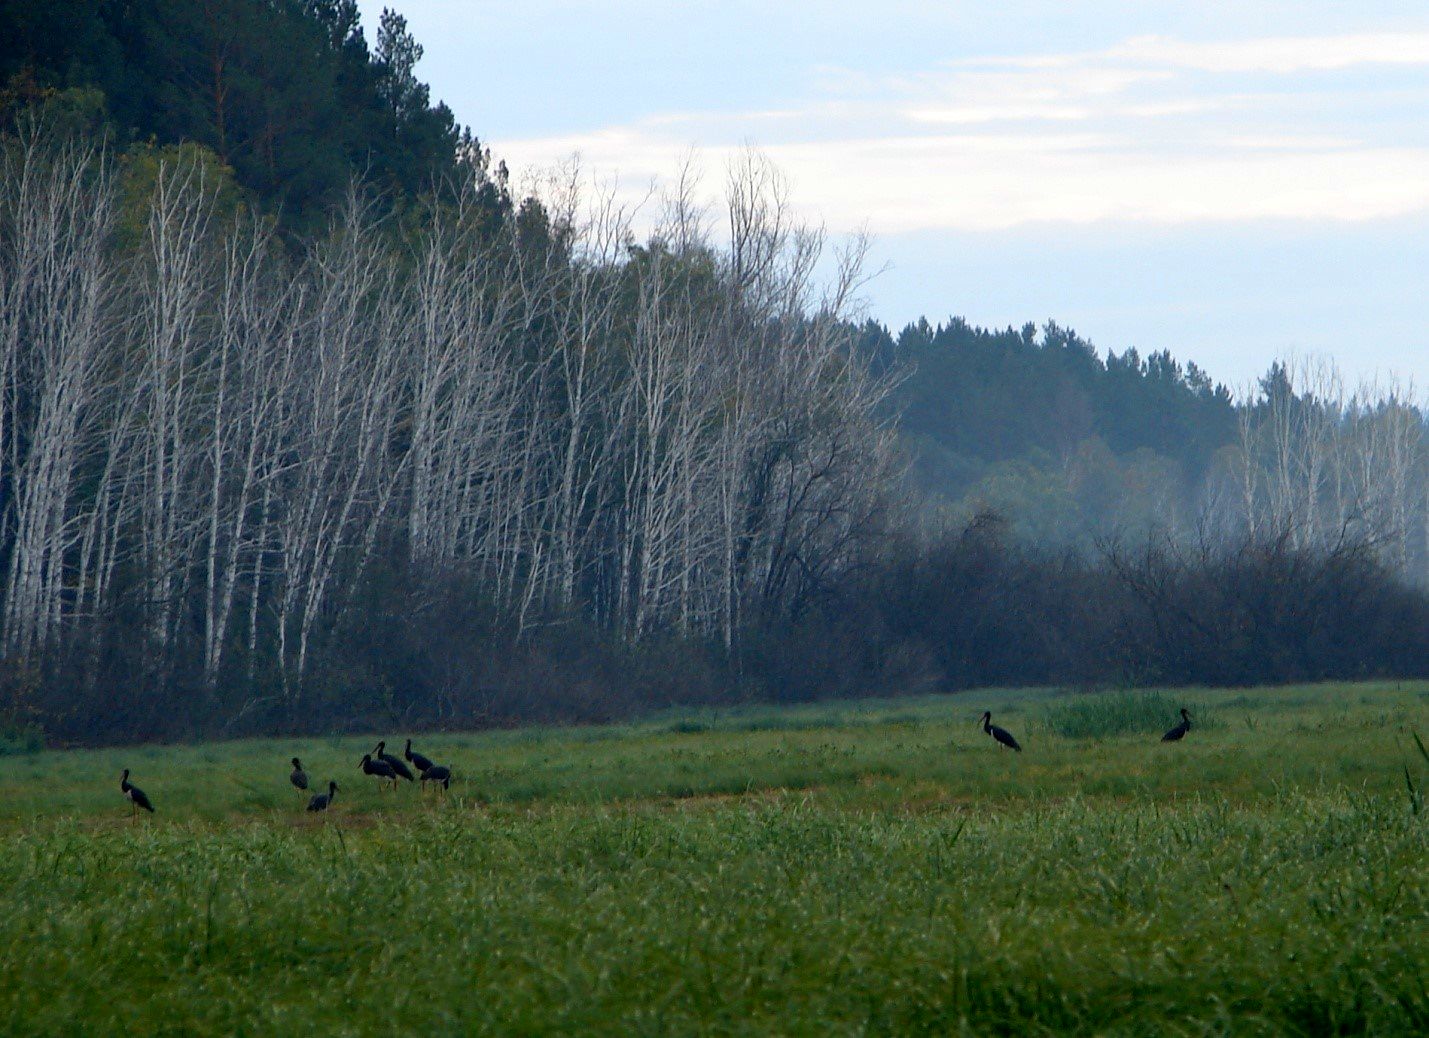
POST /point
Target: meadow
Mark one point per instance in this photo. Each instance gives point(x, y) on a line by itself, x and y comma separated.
point(841, 868)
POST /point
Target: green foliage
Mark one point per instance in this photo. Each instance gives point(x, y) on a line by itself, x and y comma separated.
point(21, 739)
point(995, 395)
point(140, 166)
point(871, 868)
point(1123, 713)
point(1045, 428)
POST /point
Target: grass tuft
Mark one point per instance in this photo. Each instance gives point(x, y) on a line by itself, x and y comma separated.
point(1110, 714)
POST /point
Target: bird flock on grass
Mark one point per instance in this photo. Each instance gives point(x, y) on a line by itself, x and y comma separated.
point(379, 764)
point(389, 769)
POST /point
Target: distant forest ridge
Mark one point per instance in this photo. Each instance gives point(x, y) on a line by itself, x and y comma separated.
point(971, 398)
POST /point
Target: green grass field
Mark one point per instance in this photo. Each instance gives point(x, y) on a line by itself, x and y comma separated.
point(870, 868)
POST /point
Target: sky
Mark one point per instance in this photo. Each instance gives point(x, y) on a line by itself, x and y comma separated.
point(1233, 182)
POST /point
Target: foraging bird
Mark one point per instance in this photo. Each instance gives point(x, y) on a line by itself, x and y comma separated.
point(299, 777)
point(134, 795)
point(437, 773)
point(322, 801)
point(1002, 735)
point(395, 763)
point(418, 761)
point(379, 769)
point(1179, 732)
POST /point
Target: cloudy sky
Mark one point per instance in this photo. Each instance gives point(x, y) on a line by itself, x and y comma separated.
point(1233, 182)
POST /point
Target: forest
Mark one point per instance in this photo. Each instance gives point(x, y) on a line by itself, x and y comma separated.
point(307, 421)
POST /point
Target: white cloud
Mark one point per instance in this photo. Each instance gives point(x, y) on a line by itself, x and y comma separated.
point(1165, 131)
point(991, 113)
point(1283, 55)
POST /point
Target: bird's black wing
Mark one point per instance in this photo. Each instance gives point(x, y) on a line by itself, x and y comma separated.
point(398, 768)
point(137, 795)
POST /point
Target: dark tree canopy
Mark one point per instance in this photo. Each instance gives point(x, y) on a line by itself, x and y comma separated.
point(973, 398)
point(285, 92)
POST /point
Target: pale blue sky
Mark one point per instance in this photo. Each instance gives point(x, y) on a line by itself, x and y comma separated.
point(1232, 181)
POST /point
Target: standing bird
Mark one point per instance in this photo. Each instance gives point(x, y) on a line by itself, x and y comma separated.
point(134, 795)
point(438, 773)
point(395, 763)
point(1179, 732)
point(322, 801)
point(1002, 735)
point(299, 777)
point(418, 761)
point(379, 769)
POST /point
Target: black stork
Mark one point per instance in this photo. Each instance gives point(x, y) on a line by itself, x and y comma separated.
point(438, 773)
point(1179, 732)
point(1002, 735)
point(379, 769)
point(322, 801)
point(419, 762)
point(134, 795)
point(299, 777)
point(395, 763)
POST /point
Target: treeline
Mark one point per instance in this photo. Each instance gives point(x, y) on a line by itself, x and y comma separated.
point(1075, 446)
point(1071, 442)
point(446, 468)
point(976, 396)
point(224, 459)
point(975, 607)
